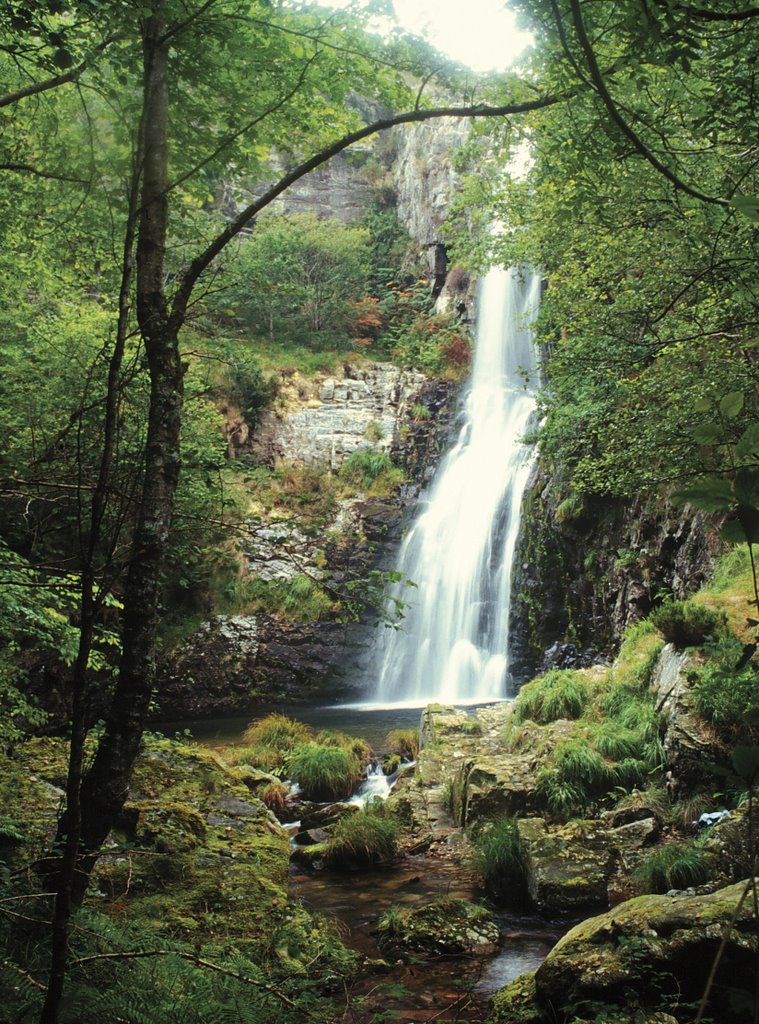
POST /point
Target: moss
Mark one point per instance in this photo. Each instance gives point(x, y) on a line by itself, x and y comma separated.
point(516, 1003)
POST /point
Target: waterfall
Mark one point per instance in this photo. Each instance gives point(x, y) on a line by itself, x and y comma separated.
point(452, 645)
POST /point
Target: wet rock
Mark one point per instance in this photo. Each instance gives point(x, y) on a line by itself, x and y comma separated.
point(445, 925)
point(323, 817)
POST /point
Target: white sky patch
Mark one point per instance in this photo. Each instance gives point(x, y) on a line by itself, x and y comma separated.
point(482, 34)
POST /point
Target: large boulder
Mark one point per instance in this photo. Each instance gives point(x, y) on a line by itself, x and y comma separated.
point(653, 954)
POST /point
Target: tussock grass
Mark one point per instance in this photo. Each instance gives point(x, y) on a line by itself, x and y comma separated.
point(274, 795)
point(404, 742)
point(324, 773)
point(498, 859)
point(557, 694)
point(675, 866)
point(359, 748)
point(368, 837)
point(277, 731)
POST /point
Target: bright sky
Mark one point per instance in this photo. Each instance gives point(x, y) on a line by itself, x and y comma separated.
point(479, 33)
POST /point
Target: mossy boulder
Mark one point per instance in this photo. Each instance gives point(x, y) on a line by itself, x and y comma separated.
point(652, 955)
point(445, 925)
point(575, 865)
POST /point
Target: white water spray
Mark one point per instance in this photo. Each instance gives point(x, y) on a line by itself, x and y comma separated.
point(453, 643)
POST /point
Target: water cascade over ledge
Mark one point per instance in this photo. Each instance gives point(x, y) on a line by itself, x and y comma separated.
point(452, 646)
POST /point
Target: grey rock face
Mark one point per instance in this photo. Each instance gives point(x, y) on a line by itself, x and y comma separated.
point(363, 409)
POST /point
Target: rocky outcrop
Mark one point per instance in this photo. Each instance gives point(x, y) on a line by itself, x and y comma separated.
point(613, 959)
point(578, 865)
point(586, 568)
point(366, 406)
point(689, 743)
point(233, 662)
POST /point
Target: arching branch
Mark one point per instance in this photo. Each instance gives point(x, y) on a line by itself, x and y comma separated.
point(234, 227)
point(599, 85)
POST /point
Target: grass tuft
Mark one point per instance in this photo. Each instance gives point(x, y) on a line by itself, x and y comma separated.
point(687, 624)
point(558, 694)
point(675, 866)
point(366, 838)
point(404, 742)
point(324, 773)
point(498, 859)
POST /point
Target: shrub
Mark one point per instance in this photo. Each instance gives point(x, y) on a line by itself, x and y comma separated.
point(277, 731)
point(404, 742)
point(675, 866)
point(498, 859)
point(726, 697)
point(324, 773)
point(687, 624)
point(367, 837)
point(557, 694)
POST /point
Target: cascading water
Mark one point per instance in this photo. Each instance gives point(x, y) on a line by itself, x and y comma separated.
point(453, 642)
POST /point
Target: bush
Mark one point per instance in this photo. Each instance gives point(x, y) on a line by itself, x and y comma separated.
point(498, 859)
point(367, 837)
point(557, 694)
point(324, 773)
point(675, 866)
point(278, 732)
point(404, 742)
point(687, 624)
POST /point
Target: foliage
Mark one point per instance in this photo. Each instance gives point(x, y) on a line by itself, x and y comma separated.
point(726, 694)
point(685, 623)
point(673, 866)
point(560, 693)
point(296, 279)
point(324, 773)
point(498, 859)
point(367, 837)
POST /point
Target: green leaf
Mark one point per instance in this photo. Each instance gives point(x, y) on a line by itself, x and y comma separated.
point(703, 405)
point(746, 762)
point(744, 528)
point(712, 494)
point(747, 486)
point(748, 445)
point(747, 206)
point(731, 404)
point(707, 433)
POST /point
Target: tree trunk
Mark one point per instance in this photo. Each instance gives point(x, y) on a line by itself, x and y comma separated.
point(106, 784)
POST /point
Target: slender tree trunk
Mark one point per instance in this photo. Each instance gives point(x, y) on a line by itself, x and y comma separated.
point(105, 786)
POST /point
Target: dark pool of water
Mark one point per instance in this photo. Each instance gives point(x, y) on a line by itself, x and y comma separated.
point(373, 725)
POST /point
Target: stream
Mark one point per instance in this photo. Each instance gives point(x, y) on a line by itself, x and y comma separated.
point(444, 988)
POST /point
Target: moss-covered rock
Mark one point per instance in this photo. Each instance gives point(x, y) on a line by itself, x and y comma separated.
point(445, 925)
point(652, 955)
point(573, 866)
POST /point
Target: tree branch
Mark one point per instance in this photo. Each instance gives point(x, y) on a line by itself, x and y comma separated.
point(190, 276)
point(600, 86)
point(198, 961)
point(52, 83)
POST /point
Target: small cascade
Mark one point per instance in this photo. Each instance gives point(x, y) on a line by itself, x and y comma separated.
point(376, 784)
point(452, 645)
